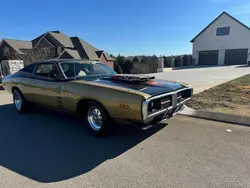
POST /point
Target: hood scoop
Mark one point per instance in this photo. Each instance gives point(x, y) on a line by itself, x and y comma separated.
point(132, 78)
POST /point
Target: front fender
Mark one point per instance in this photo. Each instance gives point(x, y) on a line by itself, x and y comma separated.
point(118, 103)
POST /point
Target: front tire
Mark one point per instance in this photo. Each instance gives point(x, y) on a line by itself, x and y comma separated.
point(97, 119)
point(20, 104)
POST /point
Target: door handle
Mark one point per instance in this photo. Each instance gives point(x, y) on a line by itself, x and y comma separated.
point(34, 82)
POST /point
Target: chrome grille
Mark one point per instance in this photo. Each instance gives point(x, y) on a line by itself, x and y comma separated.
point(163, 103)
point(166, 102)
point(183, 95)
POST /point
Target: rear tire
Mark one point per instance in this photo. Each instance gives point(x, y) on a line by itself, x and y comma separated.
point(97, 119)
point(20, 104)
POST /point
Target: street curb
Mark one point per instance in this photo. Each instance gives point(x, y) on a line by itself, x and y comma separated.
point(216, 116)
point(167, 69)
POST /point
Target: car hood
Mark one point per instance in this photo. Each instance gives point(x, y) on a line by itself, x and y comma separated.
point(144, 84)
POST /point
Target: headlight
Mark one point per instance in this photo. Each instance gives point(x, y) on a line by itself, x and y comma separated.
point(154, 105)
point(151, 106)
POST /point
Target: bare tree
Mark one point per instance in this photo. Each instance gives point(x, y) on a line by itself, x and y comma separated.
point(140, 68)
point(32, 55)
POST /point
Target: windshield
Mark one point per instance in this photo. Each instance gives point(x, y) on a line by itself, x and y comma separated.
point(81, 68)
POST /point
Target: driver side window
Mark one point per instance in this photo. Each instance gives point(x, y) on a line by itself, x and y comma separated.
point(46, 70)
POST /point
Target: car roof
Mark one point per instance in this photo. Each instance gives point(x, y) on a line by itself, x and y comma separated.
point(65, 60)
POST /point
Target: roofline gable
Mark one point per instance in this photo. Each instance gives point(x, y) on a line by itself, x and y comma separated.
point(99, 52)
point(49, 33)
point(43, 38)
point(216, 20)
point(57, 36)
point(88, 49)
point(82, 51)
point(4, 41)
point(64, 51)
point(15, 48)
point(37, 38)
point(105, 55)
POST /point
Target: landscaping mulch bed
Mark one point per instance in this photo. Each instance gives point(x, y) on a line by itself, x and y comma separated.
point(232, 97)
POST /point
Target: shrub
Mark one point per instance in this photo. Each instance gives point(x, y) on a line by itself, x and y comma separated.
point(187, 60)
point(128, 66)
point(117, 68)
point(140, 68)
point(169, 61)
point(178, 61)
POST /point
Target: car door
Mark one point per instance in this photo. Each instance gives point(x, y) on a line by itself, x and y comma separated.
point(46, 90)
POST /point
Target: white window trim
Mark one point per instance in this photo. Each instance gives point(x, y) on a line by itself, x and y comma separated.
point(43, 37)
point(61, 54)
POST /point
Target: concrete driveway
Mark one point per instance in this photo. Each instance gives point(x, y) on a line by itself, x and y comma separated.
point(48, 149)
point(203, 78)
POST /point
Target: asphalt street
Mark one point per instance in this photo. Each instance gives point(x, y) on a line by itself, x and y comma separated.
point(50, 149)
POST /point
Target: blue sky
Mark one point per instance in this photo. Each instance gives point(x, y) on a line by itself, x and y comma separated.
point(128, 27)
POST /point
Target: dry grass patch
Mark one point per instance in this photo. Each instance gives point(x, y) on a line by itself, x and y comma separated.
point(232, 97)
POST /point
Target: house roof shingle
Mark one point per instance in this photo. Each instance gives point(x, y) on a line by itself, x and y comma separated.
point(79, 48)
point(17, 45)
point(63, 39)
point(73, 53)
point(100, 52)
point(108, 57)
point(36, 40)
point(89, 49)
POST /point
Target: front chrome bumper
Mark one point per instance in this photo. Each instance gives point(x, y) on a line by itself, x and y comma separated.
point(170, 110)
point(151, 122)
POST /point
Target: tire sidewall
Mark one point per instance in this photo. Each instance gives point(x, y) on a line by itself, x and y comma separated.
point(22, 109)
point(106, 120)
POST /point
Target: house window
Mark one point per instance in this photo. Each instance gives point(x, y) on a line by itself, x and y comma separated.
point(59, 50)
point(223, 31)
point(46, 51)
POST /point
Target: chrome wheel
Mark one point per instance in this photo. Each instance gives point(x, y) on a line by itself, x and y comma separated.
point(18, 101)
point(95, 118)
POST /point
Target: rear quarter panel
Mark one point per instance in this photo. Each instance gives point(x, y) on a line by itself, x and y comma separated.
point(110, 98)
point(18, 80)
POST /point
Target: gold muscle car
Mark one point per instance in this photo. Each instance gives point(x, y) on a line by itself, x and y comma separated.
point(95, 91)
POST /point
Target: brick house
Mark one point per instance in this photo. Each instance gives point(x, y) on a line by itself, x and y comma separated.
point(58, 45)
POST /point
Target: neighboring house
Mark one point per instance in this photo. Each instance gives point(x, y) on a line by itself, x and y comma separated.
point(225, 41)
point(12, 50)
point(65, 47)
point(57, 45)
point(9, 48)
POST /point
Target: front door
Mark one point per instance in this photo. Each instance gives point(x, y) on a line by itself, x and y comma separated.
point(45, 89)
